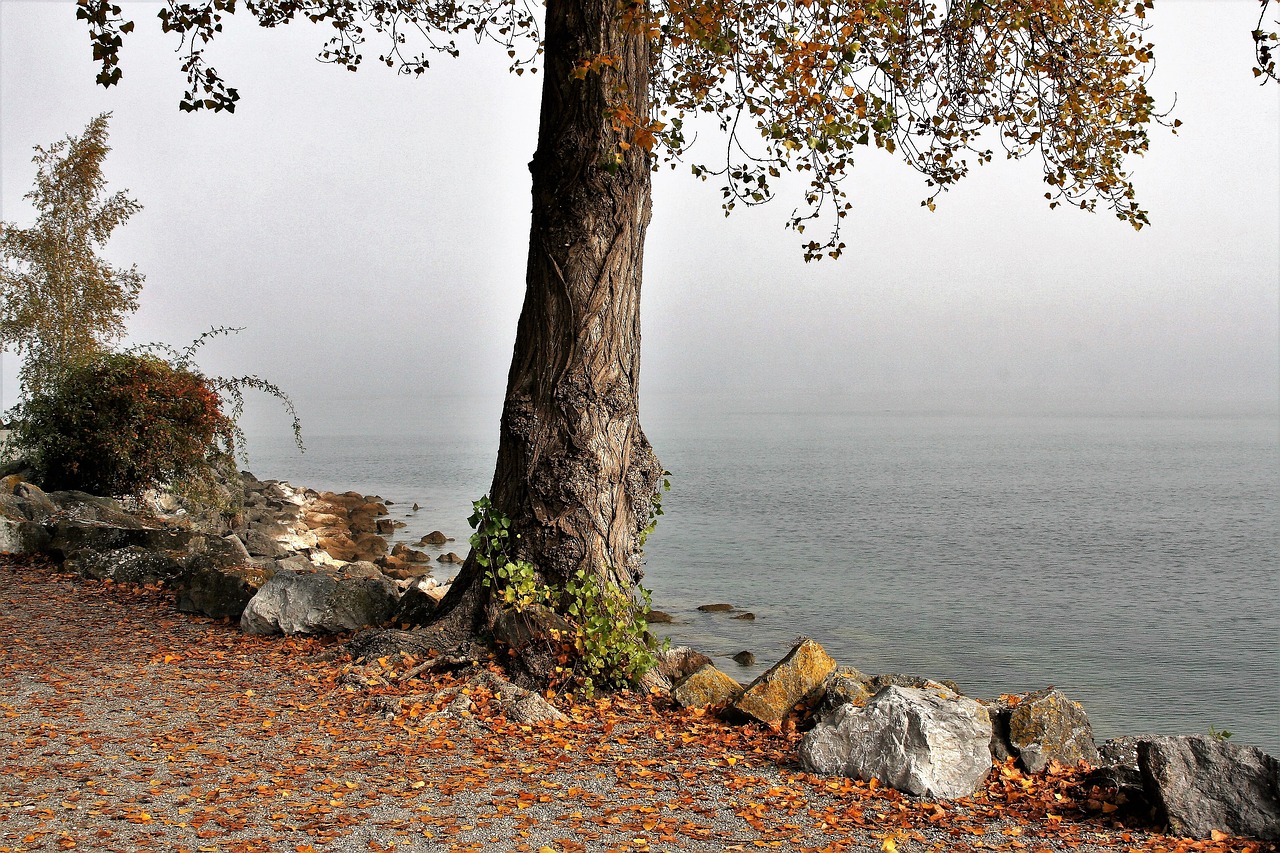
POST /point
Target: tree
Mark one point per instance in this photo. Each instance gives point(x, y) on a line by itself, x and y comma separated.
point(60, 302)
point(796, 85)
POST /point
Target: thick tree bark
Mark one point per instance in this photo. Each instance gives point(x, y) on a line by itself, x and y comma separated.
point(575, 473)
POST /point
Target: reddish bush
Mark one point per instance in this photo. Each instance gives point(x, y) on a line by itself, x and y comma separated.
point(120, 423)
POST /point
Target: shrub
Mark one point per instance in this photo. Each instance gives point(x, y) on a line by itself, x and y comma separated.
point(120, 423)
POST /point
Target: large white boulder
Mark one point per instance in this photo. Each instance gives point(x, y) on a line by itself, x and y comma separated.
point(316, 603)
point(925, 741)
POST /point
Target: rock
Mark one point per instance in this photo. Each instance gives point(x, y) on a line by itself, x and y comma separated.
point(451, 557)
point(416, 608)
point(1120, 752)
point(35, 504)
point(362, 522)
point(385, 527)
point(338, 547)
point(293, 563)
point(370, 546)
point(347, 500)
point(924, 741)
point(219, 591)
point(66, 536)
point(746, 617)
point(745, 658)
point(715, 608)
point(845, 686)
point(298, 603)
point(398, 569)
point(321, 520)
point(1042, 727)
point(791, 680)
point(261, 544)
point(415, 507)
point(705, 686)
point(360, 569)
point(434, 589)
point(658, 617)
point(678, 662)
point(1201, 783)
point(82, 506)
point(409, 555)
point(1118, 769)
point(435, 537)
point(132, 564)
point(222, 550)
point(876, 683)
point(20, 535)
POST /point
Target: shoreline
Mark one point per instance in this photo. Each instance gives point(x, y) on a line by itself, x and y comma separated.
point(192, 734)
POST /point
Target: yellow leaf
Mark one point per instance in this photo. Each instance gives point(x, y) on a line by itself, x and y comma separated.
point(889, 845)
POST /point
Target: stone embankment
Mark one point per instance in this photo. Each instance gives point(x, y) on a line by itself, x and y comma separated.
point(289, 561)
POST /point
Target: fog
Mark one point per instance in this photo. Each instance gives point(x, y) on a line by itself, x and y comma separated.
point(369, 231)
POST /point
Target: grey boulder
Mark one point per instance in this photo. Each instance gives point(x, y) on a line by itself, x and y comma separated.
point(221, 591)
point(127, 565)
point(315, 603)
point(924, 741)
point(260, 543)
point(1202, 783)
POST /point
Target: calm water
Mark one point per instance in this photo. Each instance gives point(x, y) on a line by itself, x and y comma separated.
point(1132, 562)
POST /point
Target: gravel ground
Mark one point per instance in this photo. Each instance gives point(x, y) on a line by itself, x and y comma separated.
point(126, 726)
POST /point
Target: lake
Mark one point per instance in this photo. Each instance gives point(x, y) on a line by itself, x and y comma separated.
point(1130, 561)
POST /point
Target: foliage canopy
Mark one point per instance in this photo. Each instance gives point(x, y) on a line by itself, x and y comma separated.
point(798, 85)
point(59, 301)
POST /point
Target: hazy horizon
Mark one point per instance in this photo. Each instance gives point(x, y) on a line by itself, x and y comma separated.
point(369, 231)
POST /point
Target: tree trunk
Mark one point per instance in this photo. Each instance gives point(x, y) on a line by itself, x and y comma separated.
point(575, 473)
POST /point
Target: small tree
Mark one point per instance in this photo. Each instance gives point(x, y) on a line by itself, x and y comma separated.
point(60, 302)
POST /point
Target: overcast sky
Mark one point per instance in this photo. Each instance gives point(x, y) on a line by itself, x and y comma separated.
point(370, 232)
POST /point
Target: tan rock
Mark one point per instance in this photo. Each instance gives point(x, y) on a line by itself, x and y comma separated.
point(363, 522)
point(404, 552)
point(370, 546)
point(320, 520)
point(1047, 726)
point(793, 679)
point(338, 547)
point(705, 686)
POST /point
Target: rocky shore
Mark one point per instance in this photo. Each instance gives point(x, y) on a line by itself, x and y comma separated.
point(298, 561)
point(289, 560)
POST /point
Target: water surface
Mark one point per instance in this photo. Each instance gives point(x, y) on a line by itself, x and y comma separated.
point(1132, 562)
